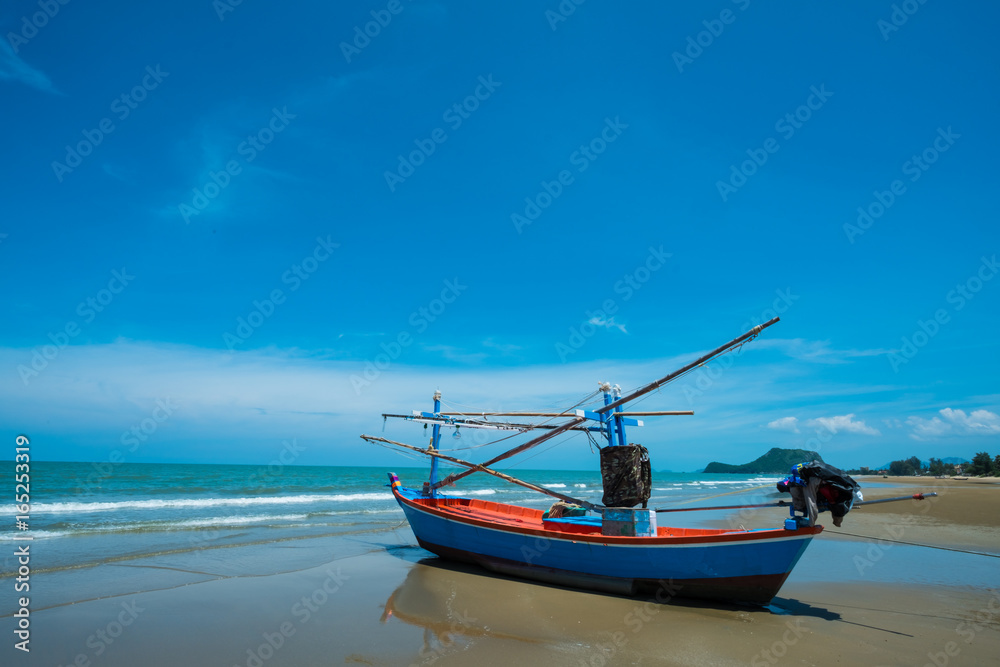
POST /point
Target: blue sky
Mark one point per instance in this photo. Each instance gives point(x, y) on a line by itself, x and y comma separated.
point(218, 216)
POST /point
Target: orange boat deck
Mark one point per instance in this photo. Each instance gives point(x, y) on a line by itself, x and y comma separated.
point(527, 517)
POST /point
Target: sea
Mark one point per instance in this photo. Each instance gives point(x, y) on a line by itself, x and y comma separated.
point(107, 530)
point(85, 514)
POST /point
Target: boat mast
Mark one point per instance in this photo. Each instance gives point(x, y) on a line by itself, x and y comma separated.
point(616, 394)
point(607, 419)
point(435, 445)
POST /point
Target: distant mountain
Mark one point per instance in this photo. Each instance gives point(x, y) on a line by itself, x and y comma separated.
point(775, 461)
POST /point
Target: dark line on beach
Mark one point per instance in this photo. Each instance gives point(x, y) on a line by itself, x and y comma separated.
point(889, 611)
point(914, 544)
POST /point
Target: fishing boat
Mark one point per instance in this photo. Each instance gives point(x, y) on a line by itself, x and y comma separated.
point(613, 547)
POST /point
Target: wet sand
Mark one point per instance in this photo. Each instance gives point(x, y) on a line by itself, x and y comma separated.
point(376, 599)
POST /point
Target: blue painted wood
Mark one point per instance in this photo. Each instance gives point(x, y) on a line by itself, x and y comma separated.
point(622, 421)
point(740, 558)
point(435, 444)
point(598, 417)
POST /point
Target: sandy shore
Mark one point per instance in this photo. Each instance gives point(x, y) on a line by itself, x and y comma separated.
point(375, 599)
point(964, 515)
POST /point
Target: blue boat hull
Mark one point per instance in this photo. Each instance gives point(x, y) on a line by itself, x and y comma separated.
point(747, 566)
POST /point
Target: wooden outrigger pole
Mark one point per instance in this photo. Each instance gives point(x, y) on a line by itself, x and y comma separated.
point(482, 468)
point(655, 413)
point(786, 503)
point(469, 421)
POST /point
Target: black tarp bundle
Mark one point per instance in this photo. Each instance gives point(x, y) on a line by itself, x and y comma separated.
point(626, 475)
point(845, 487)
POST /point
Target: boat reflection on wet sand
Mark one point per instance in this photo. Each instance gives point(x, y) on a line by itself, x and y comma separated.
point(468, 616)
point(463, 609)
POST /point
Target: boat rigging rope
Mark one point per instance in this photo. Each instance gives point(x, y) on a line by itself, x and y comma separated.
point(913, 544)
point(584, 400)
point(467, 410)
point(485, 444)
point(541, 451)
point(727, 493)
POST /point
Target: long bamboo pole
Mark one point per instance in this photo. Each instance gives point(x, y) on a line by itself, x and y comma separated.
point(657, 413)
point(471, 422)
point(481, 468)
point(656, 384)
point(786, 503)
point(915, 496)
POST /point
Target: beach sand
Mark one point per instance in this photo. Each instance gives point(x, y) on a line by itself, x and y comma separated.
point(374, 598)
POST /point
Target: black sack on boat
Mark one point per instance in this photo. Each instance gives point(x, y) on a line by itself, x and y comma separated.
point(626, 475)
point(844, 485)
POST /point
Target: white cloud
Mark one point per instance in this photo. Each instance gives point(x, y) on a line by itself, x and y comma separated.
point(238, 406)
point(607, 323)
point(845, 424)
point(817, 351)
point(785, 424)
point(453, 353)
point(955, 422)
point(12, 68)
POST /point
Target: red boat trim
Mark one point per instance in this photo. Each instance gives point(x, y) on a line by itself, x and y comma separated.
point(723, 537)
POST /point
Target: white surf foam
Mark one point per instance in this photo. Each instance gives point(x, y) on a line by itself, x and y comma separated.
point(199, 503)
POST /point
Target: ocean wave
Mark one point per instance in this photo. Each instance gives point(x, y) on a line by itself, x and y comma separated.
point(200, 503)
point(186, 524)
point(723, 482)
point(580, 486)
point(34, 534)
point(734, 481)
point(554, 486)
point(392, 510)
point(224, 521)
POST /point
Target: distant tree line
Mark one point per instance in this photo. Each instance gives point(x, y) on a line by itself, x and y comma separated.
point(982, 465)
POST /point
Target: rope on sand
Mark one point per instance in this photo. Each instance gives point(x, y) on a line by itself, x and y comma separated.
point(914, 544)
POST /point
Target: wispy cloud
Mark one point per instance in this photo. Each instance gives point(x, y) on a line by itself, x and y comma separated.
point(836, 424)
point(785, 424)
point(103, 389)
point(817, 351)
point(12, 68)
point(247, 400)
point(453, 353)
point(844, 424)
point(115, 173)
point(503, 348)
point(360, 334)
point(955, 422)
point(607, 323)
